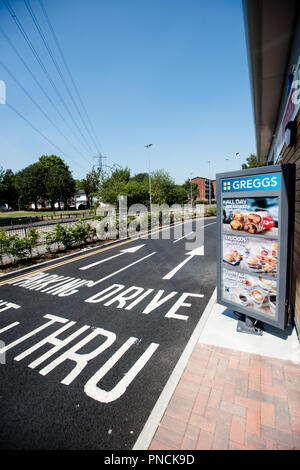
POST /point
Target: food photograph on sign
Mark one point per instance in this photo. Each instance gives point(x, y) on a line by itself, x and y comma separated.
point(256, 293)
point(252, 215)
point(255, 255)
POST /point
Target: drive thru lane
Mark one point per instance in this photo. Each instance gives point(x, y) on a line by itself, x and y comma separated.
point(90, 343)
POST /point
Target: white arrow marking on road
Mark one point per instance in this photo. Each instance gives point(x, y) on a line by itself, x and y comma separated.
point(127, 250)
point(123, 269)
point(197, 252)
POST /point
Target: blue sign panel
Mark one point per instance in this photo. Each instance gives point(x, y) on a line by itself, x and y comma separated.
point(251, 183)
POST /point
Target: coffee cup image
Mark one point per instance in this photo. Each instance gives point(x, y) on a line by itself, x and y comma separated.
point(243, 298)
point(258, 297)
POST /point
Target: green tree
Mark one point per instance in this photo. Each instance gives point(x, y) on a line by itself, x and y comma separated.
point(137, 192)
point(252, 162)
point(31, 184)
point(91, 184)
point(161, 185)
point(58, 180)
point(187, 187)
point(8, 188)
point(114, 185)
point(176, 195)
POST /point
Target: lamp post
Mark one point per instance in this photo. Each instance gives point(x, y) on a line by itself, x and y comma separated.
point(191, 190)
point(148, 146)
point(209, 182)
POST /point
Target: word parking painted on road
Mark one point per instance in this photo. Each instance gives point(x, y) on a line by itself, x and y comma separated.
point(53, 284)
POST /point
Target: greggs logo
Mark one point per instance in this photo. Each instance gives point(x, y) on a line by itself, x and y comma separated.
point(252, 183)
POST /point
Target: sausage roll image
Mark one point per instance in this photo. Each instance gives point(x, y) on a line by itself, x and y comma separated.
point(254, 223)
point(236, 225)
point(257, 217)
point(240, 216)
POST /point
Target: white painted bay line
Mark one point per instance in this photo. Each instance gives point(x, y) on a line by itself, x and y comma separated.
point(123, 269)
point(101, 261)
point(145, 438)
point(177, 240)
point(209, 224)
point(134, 249)
point(9, 326)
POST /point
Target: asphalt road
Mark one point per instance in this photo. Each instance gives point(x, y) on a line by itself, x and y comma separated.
point(88, 342)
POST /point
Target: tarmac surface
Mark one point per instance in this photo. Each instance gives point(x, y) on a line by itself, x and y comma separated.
point(89, 343)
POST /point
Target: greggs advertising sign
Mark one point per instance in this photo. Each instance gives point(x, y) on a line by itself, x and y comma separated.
point(254, 214)
point(251, 183)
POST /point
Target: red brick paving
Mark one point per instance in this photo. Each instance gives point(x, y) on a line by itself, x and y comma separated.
point(230, 400)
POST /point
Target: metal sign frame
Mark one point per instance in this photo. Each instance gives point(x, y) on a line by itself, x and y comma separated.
point(227, 290)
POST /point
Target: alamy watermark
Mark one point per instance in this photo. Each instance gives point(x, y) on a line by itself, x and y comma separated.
point(161, 222)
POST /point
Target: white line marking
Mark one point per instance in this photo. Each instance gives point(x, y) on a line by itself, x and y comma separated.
point(177, 240)
point(123, 252)
point(209, 224)
point(144, 440)
point(123, 269)
point(197, 252)
point(9, 326)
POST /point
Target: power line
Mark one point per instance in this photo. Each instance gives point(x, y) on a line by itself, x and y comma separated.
point(38, 131)
point(34, 18)
point(38, 106)
point(33, 50)
point(37, 82)
point(69, 72)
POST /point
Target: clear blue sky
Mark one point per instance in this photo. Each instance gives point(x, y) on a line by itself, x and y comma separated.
point(173, 73)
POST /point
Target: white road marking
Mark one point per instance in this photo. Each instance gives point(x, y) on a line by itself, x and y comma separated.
point(123, 252)
point(197, 252)
point(207, 225)
point(184, 236)
point(123, 269)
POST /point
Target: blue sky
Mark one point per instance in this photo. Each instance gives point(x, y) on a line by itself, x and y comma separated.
point(173, 73)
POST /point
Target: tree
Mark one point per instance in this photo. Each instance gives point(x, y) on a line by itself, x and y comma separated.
point(8, 188)
point(91, 184)
point(114, 185)
point(187, 187)
point(58, 180)
point(252, 162)
point(161, 184)
point(31, 184)
point(176, 195)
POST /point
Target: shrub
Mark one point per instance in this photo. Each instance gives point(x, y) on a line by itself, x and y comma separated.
point(82, 232)
point(32, 238)
point(4, 244)
point(211, 211)
point(17, 247)
point(61, 235)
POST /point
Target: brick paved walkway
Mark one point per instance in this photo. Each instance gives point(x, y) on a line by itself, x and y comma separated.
point(229, 399)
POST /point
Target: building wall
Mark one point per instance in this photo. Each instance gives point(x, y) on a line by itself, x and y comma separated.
point(203, 186)
point(292, 155)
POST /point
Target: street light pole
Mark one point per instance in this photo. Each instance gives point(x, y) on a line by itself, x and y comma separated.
point(209, 180)
point(149, 172)
point(191, 191)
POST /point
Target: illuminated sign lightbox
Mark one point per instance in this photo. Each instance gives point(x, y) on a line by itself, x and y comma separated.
point(254, 212)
